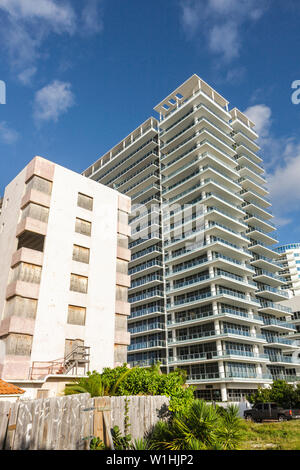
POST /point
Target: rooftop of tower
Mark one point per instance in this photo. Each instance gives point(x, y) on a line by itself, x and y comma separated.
point(185, 91)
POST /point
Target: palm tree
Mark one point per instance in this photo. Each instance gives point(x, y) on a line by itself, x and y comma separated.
point(200, 427)
point(95, 386)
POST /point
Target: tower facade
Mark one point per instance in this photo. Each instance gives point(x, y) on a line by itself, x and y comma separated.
point(217, 284)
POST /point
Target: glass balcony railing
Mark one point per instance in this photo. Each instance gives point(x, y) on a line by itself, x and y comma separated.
point(127, 157)
point(149, 327)
point(124, 181)
point(282, 308)
point(144, 266)
point(243, 353)
point(146, 345)
point(146, 295)
point(273, 290)
point(146, 280)
point(145, 362)
point(273, 321)
point(147, 311)
point(147, 251)
point(144, 239)
point(203, 377)
point(280, 358)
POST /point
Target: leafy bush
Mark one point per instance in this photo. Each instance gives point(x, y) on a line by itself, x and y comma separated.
point(286, 395)
point(137, 381)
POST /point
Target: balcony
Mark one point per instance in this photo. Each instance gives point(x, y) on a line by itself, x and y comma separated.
point(272, 294)
point(148, 312)
point(147, 345)
point(148, 253)
point(261, 249)
point(153, 295)
point(277, 340)
point(153, 328)
point(151, 266)
point(149, 281)
point(274, 324)
point(271, 308)
point(205, 336)
point(236, 377)
point(145, 362)
point(149, 144)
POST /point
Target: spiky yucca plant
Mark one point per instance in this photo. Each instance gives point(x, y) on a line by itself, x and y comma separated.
point(200, 427)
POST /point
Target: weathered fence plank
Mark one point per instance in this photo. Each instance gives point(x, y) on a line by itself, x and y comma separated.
point(4, 418)
point(68, 423)
point(12, 426)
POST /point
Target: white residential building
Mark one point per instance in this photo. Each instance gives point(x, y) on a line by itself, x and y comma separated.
point(63, 278)
point(205, 286)
point(290, 266)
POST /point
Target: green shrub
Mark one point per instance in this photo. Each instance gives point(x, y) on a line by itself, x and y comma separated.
point(137, 381)
point(200, 427)
point(286, 395)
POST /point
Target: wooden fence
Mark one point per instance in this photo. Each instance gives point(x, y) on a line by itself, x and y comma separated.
point(68, 423)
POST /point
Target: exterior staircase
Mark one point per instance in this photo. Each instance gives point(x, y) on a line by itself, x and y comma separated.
point(77, 359)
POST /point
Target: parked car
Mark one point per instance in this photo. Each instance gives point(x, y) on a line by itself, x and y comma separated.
point(270, 410)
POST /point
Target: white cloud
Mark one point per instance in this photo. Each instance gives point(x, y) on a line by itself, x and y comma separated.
point(91, 17)
point(282, 161)
point(223, 39)
point(26, 76)
point(25, 24)
point(52, 101)
point(260, 114)
point(7, 135)
point(220, 22)
point(60, 16)
point(284, 187)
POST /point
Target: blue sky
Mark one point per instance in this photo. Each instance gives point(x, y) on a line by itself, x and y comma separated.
point(82, 74)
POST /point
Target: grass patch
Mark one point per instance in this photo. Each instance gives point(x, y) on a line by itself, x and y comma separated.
point(270, 436)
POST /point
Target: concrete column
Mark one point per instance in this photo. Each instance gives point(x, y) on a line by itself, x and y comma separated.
point(223, 392)
point(221, 369)
point(213, 289)
point(259, 369)
point(252, 330)
point(209, 255)
point(215, 308)
point(219, 347)
point(217, 326)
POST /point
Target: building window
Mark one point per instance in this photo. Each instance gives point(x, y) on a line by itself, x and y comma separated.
point(76, 315)
point(26, 273)
point(35, 211)
point(39, 184)
point(81, 254)
point(79, 283)
point(83, 226)
point(18, 345)
point(86, 202)
point(20, 307)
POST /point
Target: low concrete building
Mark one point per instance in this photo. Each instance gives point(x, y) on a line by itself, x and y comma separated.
point(63, 278)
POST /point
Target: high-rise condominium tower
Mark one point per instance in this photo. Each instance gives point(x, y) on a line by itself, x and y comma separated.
point(290, 266)
point(204, 282)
